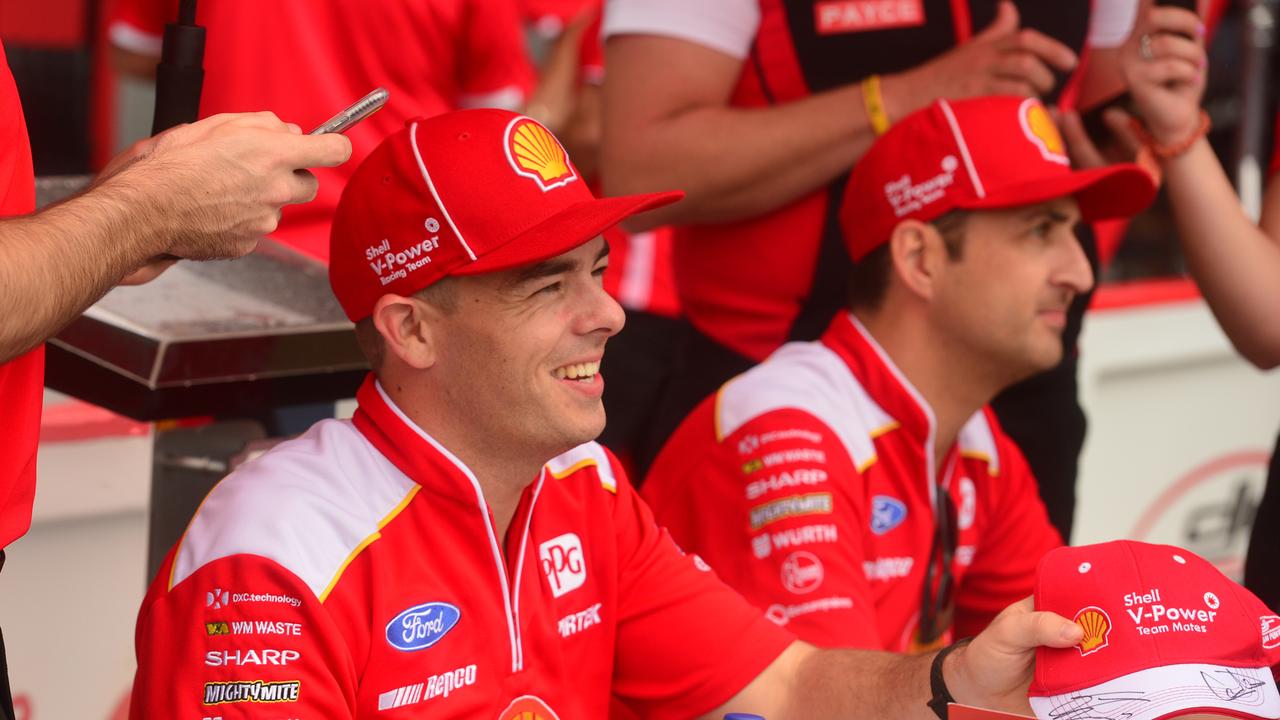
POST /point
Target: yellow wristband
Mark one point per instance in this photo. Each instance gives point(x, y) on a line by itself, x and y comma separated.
point(874, 101)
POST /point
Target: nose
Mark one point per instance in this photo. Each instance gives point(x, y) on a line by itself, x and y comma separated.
point(1074, 272)
point(601, 313)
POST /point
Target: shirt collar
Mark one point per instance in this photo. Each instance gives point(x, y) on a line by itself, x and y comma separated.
point(880, 376)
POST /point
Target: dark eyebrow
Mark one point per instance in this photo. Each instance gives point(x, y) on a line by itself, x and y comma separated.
point(554, 266)
point(1053, 215)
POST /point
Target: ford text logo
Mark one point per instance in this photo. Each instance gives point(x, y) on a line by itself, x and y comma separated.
point(421, 626)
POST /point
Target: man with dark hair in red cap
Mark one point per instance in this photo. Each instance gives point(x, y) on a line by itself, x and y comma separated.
point(859, 487)
point(461, 549)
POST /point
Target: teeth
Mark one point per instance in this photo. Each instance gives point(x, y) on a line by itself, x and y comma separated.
point(578, 371)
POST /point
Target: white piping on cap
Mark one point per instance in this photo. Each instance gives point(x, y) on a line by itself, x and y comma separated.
point(417, 155)
point(964, 148)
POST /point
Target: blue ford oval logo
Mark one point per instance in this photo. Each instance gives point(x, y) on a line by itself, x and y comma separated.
point(887, 513)
point(422, 626)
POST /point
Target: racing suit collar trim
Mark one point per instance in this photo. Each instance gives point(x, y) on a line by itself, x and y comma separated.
point(401, 440)
point(880, 376)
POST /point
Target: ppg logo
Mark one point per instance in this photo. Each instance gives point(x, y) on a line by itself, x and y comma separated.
point(887, 513)
point(421, 626)
point(563, 563)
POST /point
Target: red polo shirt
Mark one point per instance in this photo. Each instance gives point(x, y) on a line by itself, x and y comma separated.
point(808, 484)
point(21, 379)
point(355, 572)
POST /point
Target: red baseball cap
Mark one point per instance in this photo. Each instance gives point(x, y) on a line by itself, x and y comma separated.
point(979, 154)
point(1166, 635)
point(463, 193)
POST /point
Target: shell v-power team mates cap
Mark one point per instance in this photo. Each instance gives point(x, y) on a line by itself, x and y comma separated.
point(984, 153)
point(463, 193)
point(1165, 635)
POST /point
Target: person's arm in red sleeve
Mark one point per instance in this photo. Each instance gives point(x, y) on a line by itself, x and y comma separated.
point(1017, 535)
point(496, 71)
point(788, 528)
point(242, 637)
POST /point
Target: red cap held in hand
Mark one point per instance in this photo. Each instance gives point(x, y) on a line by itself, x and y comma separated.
point(463, 193)
point(1165, 634)
point(982, 153)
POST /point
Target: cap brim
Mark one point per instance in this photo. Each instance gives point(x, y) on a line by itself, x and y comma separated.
point(1114, 191)
point(1168, 692)
point(565, 231)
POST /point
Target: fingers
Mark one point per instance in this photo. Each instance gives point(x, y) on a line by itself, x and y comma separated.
point(1176, 47)
point(1025, 67)
point(1044, 47)
point(1166, 19)
point(1006, 22)
point(312, 151)
point(1121, 125)
point(303, 187)
point(1053, 630)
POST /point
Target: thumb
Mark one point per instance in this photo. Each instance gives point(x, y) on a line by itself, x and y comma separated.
point(1053, 630)
point(1006, 21)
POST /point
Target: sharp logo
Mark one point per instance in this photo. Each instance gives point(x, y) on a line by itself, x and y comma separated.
point(236, 658)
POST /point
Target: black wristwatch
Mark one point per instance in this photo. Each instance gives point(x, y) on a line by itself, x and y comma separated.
point(941, 696)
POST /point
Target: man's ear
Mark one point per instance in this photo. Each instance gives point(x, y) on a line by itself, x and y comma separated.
point(919, 255)
point(408, 328)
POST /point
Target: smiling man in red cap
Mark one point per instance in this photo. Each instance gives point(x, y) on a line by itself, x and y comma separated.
point(858, 487)
point(461, 549)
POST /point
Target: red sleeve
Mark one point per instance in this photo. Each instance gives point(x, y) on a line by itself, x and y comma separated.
point(242, 637)
point(22, 387)
point(777, 509)
point(495, 63)
point(1017, 536)
point(687, 643)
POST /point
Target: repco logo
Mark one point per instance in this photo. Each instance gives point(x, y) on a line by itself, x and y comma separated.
point(563, 563)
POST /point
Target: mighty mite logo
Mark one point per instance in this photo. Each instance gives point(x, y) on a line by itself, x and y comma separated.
point(1152, 616)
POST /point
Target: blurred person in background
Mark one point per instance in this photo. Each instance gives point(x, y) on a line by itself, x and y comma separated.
point(640, 274)
point(201, 191)
point(1235, 263)
point(307, 59)
point(759, 108)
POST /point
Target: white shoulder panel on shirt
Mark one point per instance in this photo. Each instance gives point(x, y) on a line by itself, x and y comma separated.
point(307, 505)
point(726, 25)
point(806, 376)
point(978, 439)
point(591, 453)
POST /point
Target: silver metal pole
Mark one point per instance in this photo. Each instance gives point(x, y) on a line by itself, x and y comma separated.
point(1259, 38)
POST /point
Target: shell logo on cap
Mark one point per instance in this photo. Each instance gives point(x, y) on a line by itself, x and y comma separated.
point(536, 154)
point(1039, 128)
point(1097, 629)
point(528, 707)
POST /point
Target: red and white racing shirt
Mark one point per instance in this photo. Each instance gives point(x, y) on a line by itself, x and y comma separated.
point(354, 572)
point(808, 484)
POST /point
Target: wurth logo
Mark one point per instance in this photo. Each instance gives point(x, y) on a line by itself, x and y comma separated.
point(563, 563)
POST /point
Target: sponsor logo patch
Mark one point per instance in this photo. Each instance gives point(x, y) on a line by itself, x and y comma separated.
point(422, 626)
point(536, 154)
point(908, 196)
point(968, 504)
point(763, 545)
point(887, 513)
point(832, 17)
point(801, 572)
point(440, 685)
point(785, 480)
point(236, 658)
point(782, 614)
point(1152, 616)
point(528, 707)
point(217, 628)
point(887, 568)
point(251, 691)
point(1270, 631)
point(1038, 126)
point(1096, 624)
point(563, 563)
point(575, 623)
point(218, 598)
point(793, 506)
